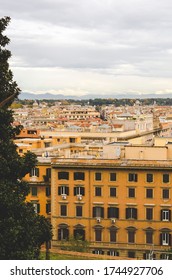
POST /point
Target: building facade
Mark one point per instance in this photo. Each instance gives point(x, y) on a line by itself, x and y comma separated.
point(122, 207)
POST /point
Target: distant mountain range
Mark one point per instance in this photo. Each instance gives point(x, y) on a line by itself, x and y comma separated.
point(31, 96)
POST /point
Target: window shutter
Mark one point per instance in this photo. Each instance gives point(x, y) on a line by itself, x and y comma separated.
point(38, 208)
point(144, 256)
point(59, 234)
point(94, 212)
point(161, 215)
point(67, 190)
point(109, 212)
point(116, 214)
point(134, 213)
point(161, 239)
point(149, 212)
point(130, 177)
point(102, 212)
point(75, 190)
point(169, 239)
point(48, 208)
point(169, 215)
point(48, 191)
point(127, 213)
point(83, 191)
point(37, 172)
point(48, 173)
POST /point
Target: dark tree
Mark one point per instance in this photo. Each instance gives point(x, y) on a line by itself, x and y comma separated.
point(22, 231)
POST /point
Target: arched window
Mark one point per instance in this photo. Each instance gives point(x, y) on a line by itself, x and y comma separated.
point(165, 237)
point(98, 233)
point(149, 235)
point(131, 234)
point(63, 232)
point(79, 232)
point(113, 233)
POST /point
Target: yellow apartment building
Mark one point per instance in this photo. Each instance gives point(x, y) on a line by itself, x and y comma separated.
point(122, 207)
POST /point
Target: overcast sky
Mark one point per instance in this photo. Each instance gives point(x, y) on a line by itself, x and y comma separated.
point(90, 46)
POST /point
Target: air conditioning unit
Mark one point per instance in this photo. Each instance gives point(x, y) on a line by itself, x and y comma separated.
point(98, 220)
point(64, 196)
point(79, 196)
point(113, 221)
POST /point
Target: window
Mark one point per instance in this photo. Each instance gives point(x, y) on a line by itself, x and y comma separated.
point(131, 254)
point(149, 193)
point(112, 235)
point(131, 236)
point(63, 189)
point(113, 253)
point(47, 144)
point(98, 252)
point(113, 192)
point(78, 211)
point(63, 175)
point(165, 193)
point(48, 208)
point(149, 256)
point(98, 176)
point(79, 176)
point(79, 190)
point(98, 212)
point(72, 140)
point(131, 213)
point(48, 191)
point(149, 237)
point(34, 172)
point(36, 207)
point(98, 191)
point(149, 213)
point(63, 210)
point(79, 233)
point(63, 234)
point(98, 234)
point(131, 192)
point(149, 178)
point(48, 173)
point(165, 238)
point(112, 177)
point(165, 178)
point(165, 215)
point(113, 212)
point(34, 191)
point(132, 177)
point(165, 256)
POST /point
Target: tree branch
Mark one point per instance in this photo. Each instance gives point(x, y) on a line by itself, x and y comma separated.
point(7, 99)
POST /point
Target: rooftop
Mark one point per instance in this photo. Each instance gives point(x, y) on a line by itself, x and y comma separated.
point(112, 163)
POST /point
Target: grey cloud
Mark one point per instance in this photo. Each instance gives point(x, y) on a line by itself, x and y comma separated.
point(131, 14)
point(106, 34)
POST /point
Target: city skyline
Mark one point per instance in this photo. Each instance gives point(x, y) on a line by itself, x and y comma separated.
point(90, 47)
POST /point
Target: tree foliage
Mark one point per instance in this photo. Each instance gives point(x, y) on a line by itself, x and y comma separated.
point(22, 231)
point(76, 244)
